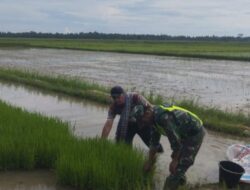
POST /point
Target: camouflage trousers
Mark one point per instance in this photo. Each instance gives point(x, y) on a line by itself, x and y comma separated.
point(190, 148)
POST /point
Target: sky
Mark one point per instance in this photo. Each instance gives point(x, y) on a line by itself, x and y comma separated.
point(169, 17)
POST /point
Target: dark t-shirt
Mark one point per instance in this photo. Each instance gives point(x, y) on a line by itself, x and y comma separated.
point(137, 99)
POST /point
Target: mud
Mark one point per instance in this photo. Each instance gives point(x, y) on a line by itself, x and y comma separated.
point(87, 119)
point(220, 84)
point(29, 180)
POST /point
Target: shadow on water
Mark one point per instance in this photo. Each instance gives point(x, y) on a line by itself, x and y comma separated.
point(87, 119)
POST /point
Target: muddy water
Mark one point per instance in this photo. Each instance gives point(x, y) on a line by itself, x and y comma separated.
point(29, 180)
point(222, 84)
point(86, 119)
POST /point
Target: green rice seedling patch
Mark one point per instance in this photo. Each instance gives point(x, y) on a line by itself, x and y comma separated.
point(29, 141)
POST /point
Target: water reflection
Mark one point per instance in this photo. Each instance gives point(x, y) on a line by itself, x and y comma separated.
point(87, 119)
point(84, 116)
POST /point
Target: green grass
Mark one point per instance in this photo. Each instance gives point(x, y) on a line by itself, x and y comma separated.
point(29, 141)
point(59, 84)
point(202, 49)
point(227, 122)
point(81, 164)
point(215, 119)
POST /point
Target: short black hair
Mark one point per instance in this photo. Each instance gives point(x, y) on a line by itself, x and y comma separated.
point(116, 91)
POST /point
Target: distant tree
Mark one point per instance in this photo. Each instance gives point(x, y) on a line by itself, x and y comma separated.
point(104, 36)
point(240, 35)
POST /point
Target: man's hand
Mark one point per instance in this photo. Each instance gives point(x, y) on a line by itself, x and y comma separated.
point(107, 127)
point(173, 166)
point(147, 166)
point(174, 163)
point(151, 160)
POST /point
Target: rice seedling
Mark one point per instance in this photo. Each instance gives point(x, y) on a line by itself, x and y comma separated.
point(30, 140)
point(99, 164)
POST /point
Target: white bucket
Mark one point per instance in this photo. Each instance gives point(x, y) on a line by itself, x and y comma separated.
point(240, 154)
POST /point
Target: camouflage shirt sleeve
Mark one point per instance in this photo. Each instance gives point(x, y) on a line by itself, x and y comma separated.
point(167, 122)
point(155, 139)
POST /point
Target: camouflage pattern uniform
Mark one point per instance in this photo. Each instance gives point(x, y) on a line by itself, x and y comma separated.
point(185, 132)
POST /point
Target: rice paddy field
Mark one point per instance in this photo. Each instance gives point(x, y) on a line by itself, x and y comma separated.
point(86, 120)
point(31, 141)
point(201, 49)
point(215, 119)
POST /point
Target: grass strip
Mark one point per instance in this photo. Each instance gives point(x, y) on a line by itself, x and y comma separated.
point(30, 140)
point(59, 84)
point(201, 49)
point(213, 118)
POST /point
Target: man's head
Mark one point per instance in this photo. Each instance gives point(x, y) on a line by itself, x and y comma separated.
point(144, 117)
point(117, 93)
point(148, 117)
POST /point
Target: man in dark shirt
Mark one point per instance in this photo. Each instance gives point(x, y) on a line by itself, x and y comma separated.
point(128, 106)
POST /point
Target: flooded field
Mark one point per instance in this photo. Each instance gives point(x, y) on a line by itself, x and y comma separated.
point(221, 84)
point(29, 180)
point(87, 119)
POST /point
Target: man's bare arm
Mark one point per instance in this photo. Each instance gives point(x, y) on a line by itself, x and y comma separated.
point(107, 128)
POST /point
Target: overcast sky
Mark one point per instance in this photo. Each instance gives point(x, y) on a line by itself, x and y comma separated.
point(171, 17)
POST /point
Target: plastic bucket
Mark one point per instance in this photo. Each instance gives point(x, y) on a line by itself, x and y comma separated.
point(230, 173)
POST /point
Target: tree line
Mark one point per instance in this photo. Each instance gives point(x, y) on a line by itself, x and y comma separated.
point(112, 36)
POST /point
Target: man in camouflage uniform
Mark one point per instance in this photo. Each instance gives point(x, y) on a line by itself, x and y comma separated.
point(126, 105)
point(185, 132)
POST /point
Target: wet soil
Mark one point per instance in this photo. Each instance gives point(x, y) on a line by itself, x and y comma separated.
point(30, 180)
point(220, 84)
